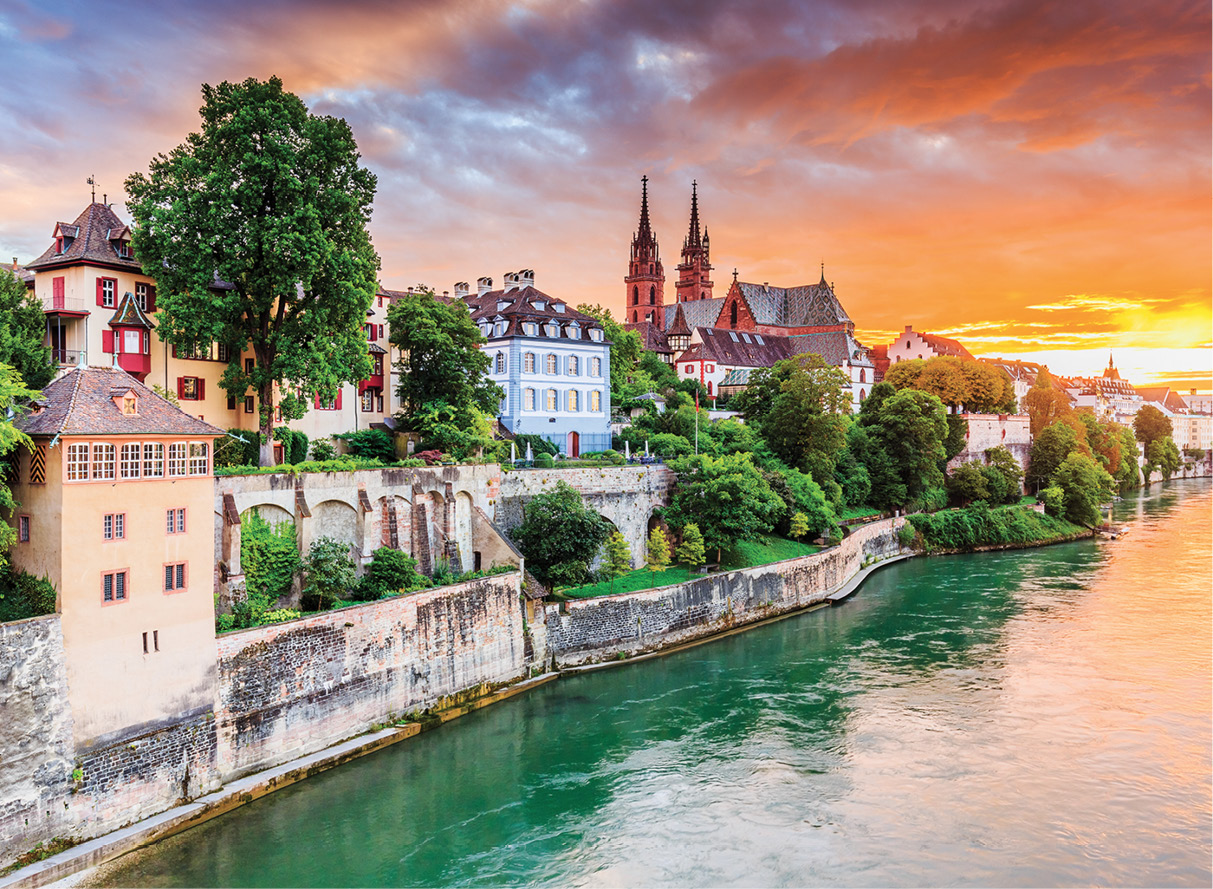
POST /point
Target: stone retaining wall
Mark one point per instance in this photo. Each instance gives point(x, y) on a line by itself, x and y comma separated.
point(593, 630)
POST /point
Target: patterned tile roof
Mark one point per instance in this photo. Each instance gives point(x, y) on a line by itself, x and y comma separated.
point(81, 402)
point(809, 305)
point(698, 312)
point(679, 325)
point(735, 348)
point(128, 314)
point(90, 233)
point(837, 347)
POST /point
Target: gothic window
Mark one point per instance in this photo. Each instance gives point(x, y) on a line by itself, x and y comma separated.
point(862, 375)
point(652, 296)
point(635, 295)
point(733, 315)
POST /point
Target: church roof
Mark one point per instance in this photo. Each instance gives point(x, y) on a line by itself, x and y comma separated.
point(808, 305)
point(81, 402)
point(699, 312)
point(94, 237)
point(679, 325)
point(736, 348)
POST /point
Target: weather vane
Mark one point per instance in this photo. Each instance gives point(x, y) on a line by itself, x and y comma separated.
point(92, 180)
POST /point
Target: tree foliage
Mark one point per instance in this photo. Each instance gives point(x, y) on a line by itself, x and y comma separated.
point(690, 550)
point(906, 431)
point(1050, 449)
point(22, 328)
point(560, 536)
point(1150, 424)
point(1045, 403)
point(443, 389)
point(658, 557)
point(1163, 455)
point(1084, 485)
point(390, 571)
point(14, 394)
point(269, 557)
point(618, 557)
point(271, 201)
point(328, 573)
point(727, 497)
point(973, 385)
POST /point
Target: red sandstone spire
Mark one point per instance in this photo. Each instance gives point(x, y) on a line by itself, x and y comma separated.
point(693, 279)
point(645, 280)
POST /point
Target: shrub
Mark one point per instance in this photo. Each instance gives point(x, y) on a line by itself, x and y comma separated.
point(270, 559)
point(23, 595)
point(294, 444)
point(539, 445)
point(231, 451)
point(1054, 499)
point(373, 443)
point(545, 461)
point(444, 573)
point(429, 458)
point(329, 574)
point(389, 571)
point(978, 525)
point(560, 535)
point(658, 558)
point(618, 558)
point(323, 449)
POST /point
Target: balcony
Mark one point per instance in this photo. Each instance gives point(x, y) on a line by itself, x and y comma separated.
point(64, 305)
point(374, 381)
point(67, 357)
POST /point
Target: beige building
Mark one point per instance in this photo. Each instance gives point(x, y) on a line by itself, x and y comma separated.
point(117, 511)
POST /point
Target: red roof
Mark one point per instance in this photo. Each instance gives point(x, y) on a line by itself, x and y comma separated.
point(95, 236)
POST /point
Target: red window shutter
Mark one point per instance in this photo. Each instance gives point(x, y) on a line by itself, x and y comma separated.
point(100, 288)
point(107, 341)
point(151, 298)
point(201, 388)
point(316, 401)
point(57, 284)
point(174, 351)
point(181, 387)
point(338, 405)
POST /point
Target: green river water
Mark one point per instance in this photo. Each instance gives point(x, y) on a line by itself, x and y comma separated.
point(1029, 718)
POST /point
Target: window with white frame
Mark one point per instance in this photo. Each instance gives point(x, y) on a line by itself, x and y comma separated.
point(174, 520)
point(113, 526)
point(528, 399)
point(530, 328)
point(595, 401)
point(552, 366)
point(499, 366)
point(572, 366)
point(551, 400)
point(128, 462)
point(153, 460)
point(198, 457)
point(595, 367)
point(574, 400)
point(528, 362)
point(176, 458)
point(103, 461)
point(77, 462)
point(553, 329)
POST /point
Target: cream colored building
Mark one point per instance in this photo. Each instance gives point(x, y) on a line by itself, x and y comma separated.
point(117, 511)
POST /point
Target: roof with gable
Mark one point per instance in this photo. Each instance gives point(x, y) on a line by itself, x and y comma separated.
point(1165, 396)
point(808, 305)
point(944, 346)
point(91, 236)
point(652, 337)
point(697, 312)
point(679, 325)
point(23, 274)
point(734, 348)
point(521, 304)
point(129, 314)
point(837, 347)
point(81, 402)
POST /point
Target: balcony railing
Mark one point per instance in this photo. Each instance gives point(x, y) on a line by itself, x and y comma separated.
point(64, 304)
point(69, 356)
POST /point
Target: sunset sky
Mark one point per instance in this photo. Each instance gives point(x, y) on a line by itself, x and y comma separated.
point(1031, 178)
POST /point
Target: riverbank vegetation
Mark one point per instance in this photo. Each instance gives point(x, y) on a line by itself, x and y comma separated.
point(980, 526)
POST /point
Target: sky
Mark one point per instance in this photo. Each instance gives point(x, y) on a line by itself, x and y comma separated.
point(1031, 178)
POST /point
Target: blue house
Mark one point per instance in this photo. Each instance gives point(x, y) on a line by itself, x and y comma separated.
point(552, 361)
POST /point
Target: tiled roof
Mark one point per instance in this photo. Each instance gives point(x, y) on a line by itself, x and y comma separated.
point(944, 346)
point(1165, 396)
point(731, 349)
point(128, 314)
point(520, 305)
point(81, 403)
point(24, 274)
point(92, 242)
point(652, 337)
point(809, 305)
point(698, 312)
point(837, 347)
point(738, 376)
point(678, 327)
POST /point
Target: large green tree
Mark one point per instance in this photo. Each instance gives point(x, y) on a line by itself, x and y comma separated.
point(1050, 449)
point(1150, 424)
point(444, 393)
point(910, 428)
point(272, 202)
point(560, 536)
point(727, 497)
point(1163, 455)
point(973, 385)
point(22, 328)
point(1084, 485)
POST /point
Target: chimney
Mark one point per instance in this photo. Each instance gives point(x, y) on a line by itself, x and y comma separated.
point(909, 328)
point(510, 282)
point(446, 294)
point(526, 278)
point(483, 286)
point(461, 290)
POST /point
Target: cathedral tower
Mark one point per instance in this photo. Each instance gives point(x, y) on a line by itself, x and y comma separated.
point(645, 280)
point(693, 280)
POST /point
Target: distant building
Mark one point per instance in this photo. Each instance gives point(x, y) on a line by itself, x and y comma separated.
point(911, 344)
point(117, 511)
point(552, 361)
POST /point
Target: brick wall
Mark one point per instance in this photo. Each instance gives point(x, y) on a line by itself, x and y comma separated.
point(593, 630)
point(290, 689)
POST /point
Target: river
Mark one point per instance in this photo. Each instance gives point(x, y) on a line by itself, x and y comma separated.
point(1029, 718)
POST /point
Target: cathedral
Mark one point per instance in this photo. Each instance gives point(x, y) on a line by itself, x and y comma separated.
point(698, 332)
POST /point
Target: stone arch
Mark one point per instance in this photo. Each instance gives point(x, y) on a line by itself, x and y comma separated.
point(271, 513)
point(387, 507)
point(336, 519)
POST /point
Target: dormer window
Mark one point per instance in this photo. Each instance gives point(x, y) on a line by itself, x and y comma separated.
point(530, 328)
point(553, 329)
point(124, 249)
point(499, 328)
point(539, 305)
point(502, 305)
point(558, 308)
point(130, 406)
point(596, 335)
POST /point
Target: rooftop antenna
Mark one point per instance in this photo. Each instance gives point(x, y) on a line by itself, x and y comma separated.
point(92, 180)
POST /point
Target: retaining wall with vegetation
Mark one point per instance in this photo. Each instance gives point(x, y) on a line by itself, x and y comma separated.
point(592, 630)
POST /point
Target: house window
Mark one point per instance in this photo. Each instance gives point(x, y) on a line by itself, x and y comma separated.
point(368, 401)
point(113, 526)
point(574, 400)
point(553, 329)
point(552, 366)
point(690, 368)
point(223, 352)
point(153, 460)
point(376, 365)
point(174, 520)
point(143, 296)
point(499, 366)
point(198, 457)
point(189, 388)
point(528, 363)
point(530, 328)
point(23, 529)
point(107, 292)
point(174, 577)
point(572, 366)
point(129, 406)
point(231, 402)
point(596, 335)
point(77, 462)
point(595, 401)
point(103, 461)
point(249, 364)
point(595, 367)
point(711, 368)
point(249, 404)
point(551, 399)
point(503, 404)
point(128, 464)
point(176, 458)
point(499, 328)
point(114, 586)
point(528, 399)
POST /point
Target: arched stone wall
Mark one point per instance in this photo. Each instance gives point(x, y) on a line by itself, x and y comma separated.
point(463, 528)
point(381, 531)
point(336, 519)
point(271, 513)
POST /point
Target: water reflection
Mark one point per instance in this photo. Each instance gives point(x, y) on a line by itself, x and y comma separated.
point(1028, 718)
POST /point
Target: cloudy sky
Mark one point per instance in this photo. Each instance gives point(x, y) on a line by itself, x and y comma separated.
point(1028, 177)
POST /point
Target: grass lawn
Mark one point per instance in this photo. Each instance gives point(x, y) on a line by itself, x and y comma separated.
point(857, 512)
point(746, 554)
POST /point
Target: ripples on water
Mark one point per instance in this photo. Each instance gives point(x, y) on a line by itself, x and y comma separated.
point(1031, 718)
